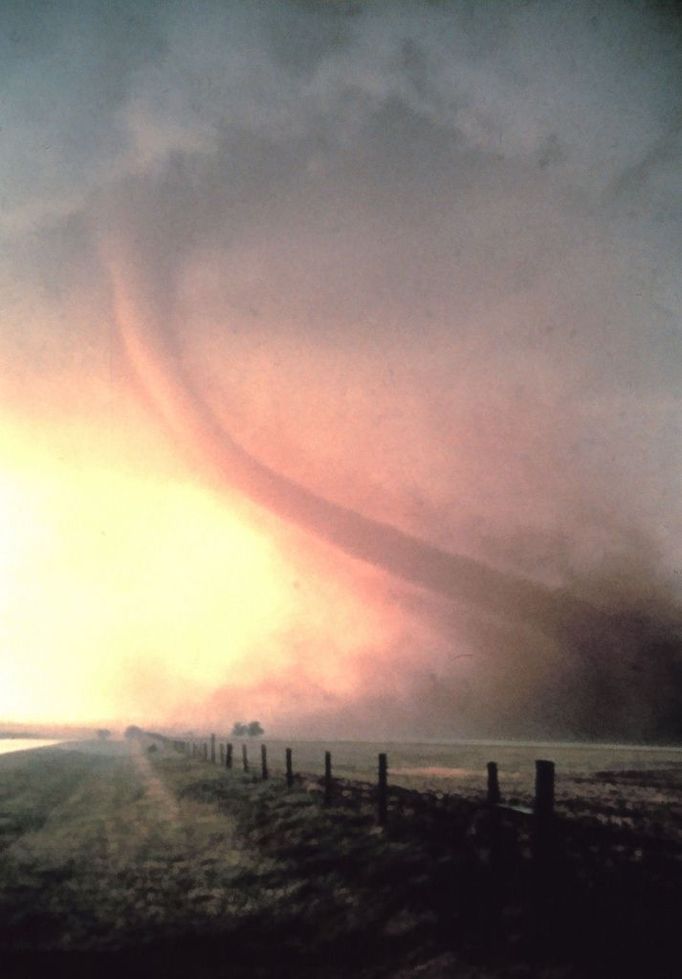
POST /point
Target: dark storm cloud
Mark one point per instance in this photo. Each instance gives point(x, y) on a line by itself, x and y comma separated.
point(422, 262)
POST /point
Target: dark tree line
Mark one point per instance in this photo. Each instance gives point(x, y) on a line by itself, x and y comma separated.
point(253, 729)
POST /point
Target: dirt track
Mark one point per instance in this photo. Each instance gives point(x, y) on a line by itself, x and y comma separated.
point(98, 850)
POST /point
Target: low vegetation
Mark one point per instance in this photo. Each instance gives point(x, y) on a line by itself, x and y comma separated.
point(118, 860)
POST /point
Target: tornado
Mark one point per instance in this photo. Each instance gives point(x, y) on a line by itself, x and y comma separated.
point(148, 343)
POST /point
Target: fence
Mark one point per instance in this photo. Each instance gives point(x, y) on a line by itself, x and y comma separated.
point(541, 814)
point(527, 880)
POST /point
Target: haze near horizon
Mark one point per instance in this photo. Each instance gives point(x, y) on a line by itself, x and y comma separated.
point(342, 367)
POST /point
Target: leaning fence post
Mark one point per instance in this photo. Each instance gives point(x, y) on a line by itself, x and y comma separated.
point(264, 761)
point(327, 777)
point(290, 770)
point(493, 784)
point(382, 802)
point(228, 755)
point(245, 758)
point(213, 748)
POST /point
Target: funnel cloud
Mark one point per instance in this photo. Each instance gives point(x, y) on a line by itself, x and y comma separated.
point(404, 277)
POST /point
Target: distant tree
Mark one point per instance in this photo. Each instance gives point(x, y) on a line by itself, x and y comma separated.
point(103, 733)
point(133, 731)
point(255, 730)
point(240, 730)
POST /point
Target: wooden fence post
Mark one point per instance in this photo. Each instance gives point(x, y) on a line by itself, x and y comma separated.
point(228, 755)
point(544, 790)
point(327, 778)
point(290, 770)
point(493, 784)
point(543, 809)
point(245, 758)
point(382, 800)
point(213, 749)
point(264, 761)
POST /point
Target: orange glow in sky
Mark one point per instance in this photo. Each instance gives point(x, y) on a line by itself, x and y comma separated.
point(131, 595)
point(340, 368)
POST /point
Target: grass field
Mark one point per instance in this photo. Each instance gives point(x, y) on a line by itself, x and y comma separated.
point(460, 767)
point(115, 859)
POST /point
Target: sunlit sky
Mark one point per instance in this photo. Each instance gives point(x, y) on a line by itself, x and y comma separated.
point(419, 261)
point(143, 588)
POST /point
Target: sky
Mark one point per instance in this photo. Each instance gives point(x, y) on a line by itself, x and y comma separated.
point(341, 366)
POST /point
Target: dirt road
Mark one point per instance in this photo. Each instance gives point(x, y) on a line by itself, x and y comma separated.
point(96, 850)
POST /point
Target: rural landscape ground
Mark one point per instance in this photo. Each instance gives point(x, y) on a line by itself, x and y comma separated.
point(129, 858)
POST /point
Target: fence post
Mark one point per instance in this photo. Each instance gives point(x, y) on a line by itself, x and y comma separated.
point(543, 809)
point(213, 748)
point(290, 770)
point(493, 784)
point(382, 802)
point(327, 777)
point(245, 758)
point(264, 761)
point(544, 791)
point(228, 755)
point(221, 754)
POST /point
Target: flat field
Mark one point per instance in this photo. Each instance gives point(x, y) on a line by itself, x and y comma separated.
point(583, 770)
point(129, 858)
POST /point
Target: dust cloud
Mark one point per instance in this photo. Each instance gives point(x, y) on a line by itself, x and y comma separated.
point(404, 276)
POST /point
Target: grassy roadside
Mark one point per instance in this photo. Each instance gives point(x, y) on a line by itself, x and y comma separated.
point(139, 862)
point(450, 889)
point(94, 858)
point(123, 861)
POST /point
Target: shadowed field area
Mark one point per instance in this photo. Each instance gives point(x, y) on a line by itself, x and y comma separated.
point(118, 859)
